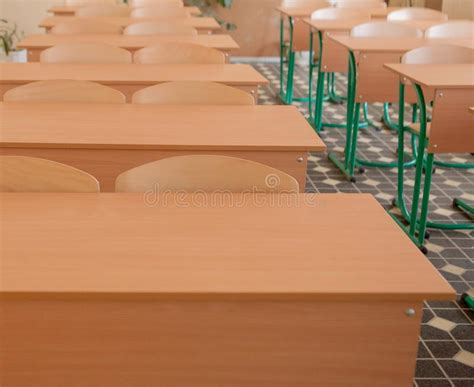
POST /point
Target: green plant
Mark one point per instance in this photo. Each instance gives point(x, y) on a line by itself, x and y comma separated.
point(8, 36)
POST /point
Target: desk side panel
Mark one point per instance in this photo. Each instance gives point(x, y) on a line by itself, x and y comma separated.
point(54, 343)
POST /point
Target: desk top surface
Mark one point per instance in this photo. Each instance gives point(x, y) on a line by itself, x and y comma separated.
point(197, 22)
point(321, 247)
point(348, 24)
point(224, 42)
point(65, 9)
point(307, 11)
point(132, 126)
point(394, 44)
point(437, 75)
point(131, 73)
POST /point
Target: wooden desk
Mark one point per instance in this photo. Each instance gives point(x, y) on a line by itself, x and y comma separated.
point(37, 43)
point(124, 290)
point(71, 10)
point(451, 88)
point(202, 24)
point(129, 78)
point(369, 81)
point(106, 140)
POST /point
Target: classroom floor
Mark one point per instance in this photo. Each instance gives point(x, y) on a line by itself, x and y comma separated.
point(446, 348)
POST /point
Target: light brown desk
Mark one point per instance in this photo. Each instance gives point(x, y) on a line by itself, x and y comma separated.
point(106, 140)
point(37, 43)
point(124, 290)
point(202, 24)
point(129, 78)
point(71, 10)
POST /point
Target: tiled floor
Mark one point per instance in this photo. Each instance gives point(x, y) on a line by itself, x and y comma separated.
point(446, 348)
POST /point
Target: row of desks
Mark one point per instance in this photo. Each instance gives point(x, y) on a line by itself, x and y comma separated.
point(64, 10)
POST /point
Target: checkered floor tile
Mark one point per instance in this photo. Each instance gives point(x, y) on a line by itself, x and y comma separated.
point(446, 347)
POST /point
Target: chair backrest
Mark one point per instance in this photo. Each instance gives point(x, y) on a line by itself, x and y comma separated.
point(359, 3)
point(205, 173)
point(304, 3)
point(341, 14)
point(439, 54)
point(102, 10)
point(159, 28)
point(178, 53)
point(76, 27)
point(85, 53)
point(192, 93)
point(163, 12)
point(151, 3)
point(64, 91)
point(383, 29)
point(80, 3)
point(452, 29)
point(30, 174)
point(417, 13)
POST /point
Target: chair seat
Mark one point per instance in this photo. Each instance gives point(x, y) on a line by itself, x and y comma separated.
point(415, 128)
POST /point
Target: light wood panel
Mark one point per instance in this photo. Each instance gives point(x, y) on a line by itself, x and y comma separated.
point(129, 78)
point(178, 53)
point(85, 53)
point(106, 140)
point(258, 248)
point(35, 44)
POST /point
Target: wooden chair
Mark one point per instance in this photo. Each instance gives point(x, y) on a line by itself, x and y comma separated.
point(310, 4)
point(30, 174)
point(162, 12)
point(151, 3)
point(78, 27)
point(64, 91)
point(452, 29)
point(85, 53)
point(417, 13)
point(205, 173)
point(103, 10)
point(384, 29)
point(359, 3)
point(81, 3)
point(178, 53)
point(192, 93)
point(159, 28)
point(341, 14)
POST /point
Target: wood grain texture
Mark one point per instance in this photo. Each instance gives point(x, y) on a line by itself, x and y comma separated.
point(85, 53)
point(178, 53)
point(150, 28)
point(37, 43)
point(205, 173)
point(64, 91)
point(275, 247)
point(200, 23)
point(74, 27)
point(27, 174)
point(207, 343)
point(193, 93)
point(452, 126)
point(65, 10)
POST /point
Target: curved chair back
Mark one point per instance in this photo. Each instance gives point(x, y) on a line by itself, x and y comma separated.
point(159, 28)
point(178, 53)
point(85, 27)
point(417, 13)
point(340, 14)
point(383, 29)
point(161, 12)
point(85, 53)
point(439, 54)
point(151, 3)
point(102, 10)
point(359, 3)
point(81, 3)
point(452, 29)
point(205, 173)
point(192, 93)
point(30, 174)
point(64, 91)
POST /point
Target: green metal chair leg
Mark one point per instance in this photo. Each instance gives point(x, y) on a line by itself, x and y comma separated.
point(462, 205)
point(386, 118)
